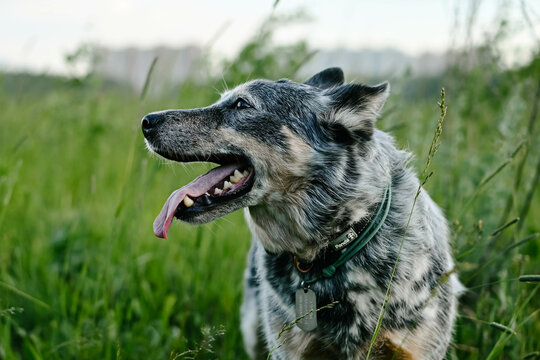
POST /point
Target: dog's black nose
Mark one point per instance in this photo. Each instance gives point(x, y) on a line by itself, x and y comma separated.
point(150, 121)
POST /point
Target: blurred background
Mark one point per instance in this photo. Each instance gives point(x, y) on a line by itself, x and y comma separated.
point(81, 274)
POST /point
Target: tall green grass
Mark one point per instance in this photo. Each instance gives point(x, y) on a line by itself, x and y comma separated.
point(83, 277)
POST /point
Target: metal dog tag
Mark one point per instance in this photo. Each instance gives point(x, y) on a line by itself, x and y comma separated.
point(306, 309)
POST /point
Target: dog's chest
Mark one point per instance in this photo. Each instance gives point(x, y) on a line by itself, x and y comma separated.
point(349, 321)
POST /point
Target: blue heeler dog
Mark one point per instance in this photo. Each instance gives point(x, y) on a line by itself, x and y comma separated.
point(327, 197)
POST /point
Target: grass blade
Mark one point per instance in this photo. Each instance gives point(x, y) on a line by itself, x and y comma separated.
point(500, 229)
point(426, 174)
point(530, 278)
point(148, 77)
point(490, 177)
point(21, 293)
point(502, 328)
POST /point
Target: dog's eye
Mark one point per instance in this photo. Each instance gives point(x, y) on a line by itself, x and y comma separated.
point(241, 104)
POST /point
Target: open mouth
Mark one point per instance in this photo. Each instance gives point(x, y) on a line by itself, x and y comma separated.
point(223, 184)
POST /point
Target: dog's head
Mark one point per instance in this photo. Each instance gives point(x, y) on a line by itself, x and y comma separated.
point(278, 143)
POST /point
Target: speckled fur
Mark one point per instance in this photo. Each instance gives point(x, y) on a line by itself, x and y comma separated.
point(320, 166)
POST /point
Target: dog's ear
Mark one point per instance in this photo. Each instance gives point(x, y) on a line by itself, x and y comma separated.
point(328, 78)
point(356, 106)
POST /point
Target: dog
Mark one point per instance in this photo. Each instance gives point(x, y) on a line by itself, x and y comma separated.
point(327, 197)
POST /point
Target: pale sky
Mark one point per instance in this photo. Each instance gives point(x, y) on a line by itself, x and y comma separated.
point(35, 34)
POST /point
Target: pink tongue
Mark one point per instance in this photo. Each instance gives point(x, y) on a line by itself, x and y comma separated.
point(194, 189)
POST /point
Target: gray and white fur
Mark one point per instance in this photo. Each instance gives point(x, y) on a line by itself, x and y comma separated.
point(321, 165)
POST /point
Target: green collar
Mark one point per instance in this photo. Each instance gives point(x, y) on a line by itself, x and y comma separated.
point(351, 241)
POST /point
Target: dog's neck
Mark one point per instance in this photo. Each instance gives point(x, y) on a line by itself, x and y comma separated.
point(285, 229)
point(304, 226)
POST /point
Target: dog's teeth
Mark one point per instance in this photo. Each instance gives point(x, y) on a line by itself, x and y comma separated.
point(187, 201)
point(236, 177)
point(245, 173)
point(217, 191)
point(227, 185)
point(206, 193)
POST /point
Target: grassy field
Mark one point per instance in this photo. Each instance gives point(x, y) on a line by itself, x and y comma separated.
point(83, 277)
